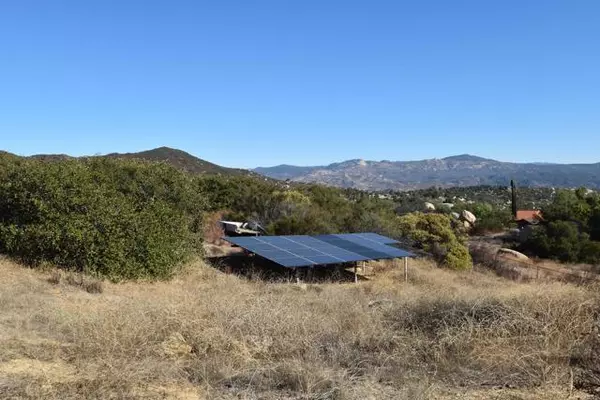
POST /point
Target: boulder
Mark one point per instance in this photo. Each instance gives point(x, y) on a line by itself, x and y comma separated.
point(449, 205)
point(429, 206)
point(467, 225)
point(512, 253)
point(455, 215)
point(469, 217)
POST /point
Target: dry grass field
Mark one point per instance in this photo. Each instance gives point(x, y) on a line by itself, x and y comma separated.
point(209, 335)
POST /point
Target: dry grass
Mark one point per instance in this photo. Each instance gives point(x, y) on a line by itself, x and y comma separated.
point(87, 283)
point(485, 254)
point(207, 335)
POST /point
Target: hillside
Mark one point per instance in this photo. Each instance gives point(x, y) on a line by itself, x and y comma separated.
point(177, 158)
point(180, 159)
point(461, 170)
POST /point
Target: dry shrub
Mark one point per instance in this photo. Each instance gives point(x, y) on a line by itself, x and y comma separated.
point(224, 337)
point(55, 277)
point(383, 266)
point(87, 283)
point(524, 341)
point(212, 230)
point(93, 286)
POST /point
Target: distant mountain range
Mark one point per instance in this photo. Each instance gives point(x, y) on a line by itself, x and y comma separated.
point(461, 170)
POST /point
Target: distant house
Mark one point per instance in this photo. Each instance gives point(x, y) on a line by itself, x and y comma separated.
point(526, 220)
point(529, 217)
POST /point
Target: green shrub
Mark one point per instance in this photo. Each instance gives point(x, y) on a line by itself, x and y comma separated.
point(490, 218)
point(434, 233)
point(310, 223)
point(590, 252)
point(571, 229)
point(119, 219)
point(563, 241)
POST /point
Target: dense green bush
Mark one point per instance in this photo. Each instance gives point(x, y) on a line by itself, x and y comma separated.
point(490, 218)
point(435, 234)
point(120, 219)
point(571, 228)
point(559, 239)
point(571, 205)
point(297, 209)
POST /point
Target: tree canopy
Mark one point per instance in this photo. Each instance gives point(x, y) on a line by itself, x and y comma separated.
point(571, 228)
point(436, 234)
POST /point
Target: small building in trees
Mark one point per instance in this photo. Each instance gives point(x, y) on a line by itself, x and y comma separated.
point(526, 220)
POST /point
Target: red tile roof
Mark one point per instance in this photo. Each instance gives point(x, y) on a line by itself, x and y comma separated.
point(529, 215)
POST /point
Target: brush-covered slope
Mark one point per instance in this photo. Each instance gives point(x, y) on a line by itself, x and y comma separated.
point(177, 158)
point(180, 159)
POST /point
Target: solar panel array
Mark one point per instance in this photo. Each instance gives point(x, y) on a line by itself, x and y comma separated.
point(303, 251)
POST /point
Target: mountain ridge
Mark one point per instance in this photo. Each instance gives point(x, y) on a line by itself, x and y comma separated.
point(179, 159)
point(458, 170)
point(175, 157)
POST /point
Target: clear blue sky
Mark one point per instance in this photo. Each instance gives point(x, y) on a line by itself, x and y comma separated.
point(249, 82)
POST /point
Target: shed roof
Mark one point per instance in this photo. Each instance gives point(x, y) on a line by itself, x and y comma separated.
point(529, 215)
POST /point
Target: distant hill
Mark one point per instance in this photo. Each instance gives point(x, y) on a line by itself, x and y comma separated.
point(460, 170)
point(177, 158)
point(182, 160)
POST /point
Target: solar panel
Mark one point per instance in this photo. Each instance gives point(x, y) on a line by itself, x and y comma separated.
point(297, 250)
point(393, 252)
point(370, 236)
point(310, 244)
point(302, 250)
point(345, 244)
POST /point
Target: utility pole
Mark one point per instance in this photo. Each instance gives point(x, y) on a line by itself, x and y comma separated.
point(513, 188)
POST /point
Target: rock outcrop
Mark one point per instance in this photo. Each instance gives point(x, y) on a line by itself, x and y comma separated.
point(469, 217)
